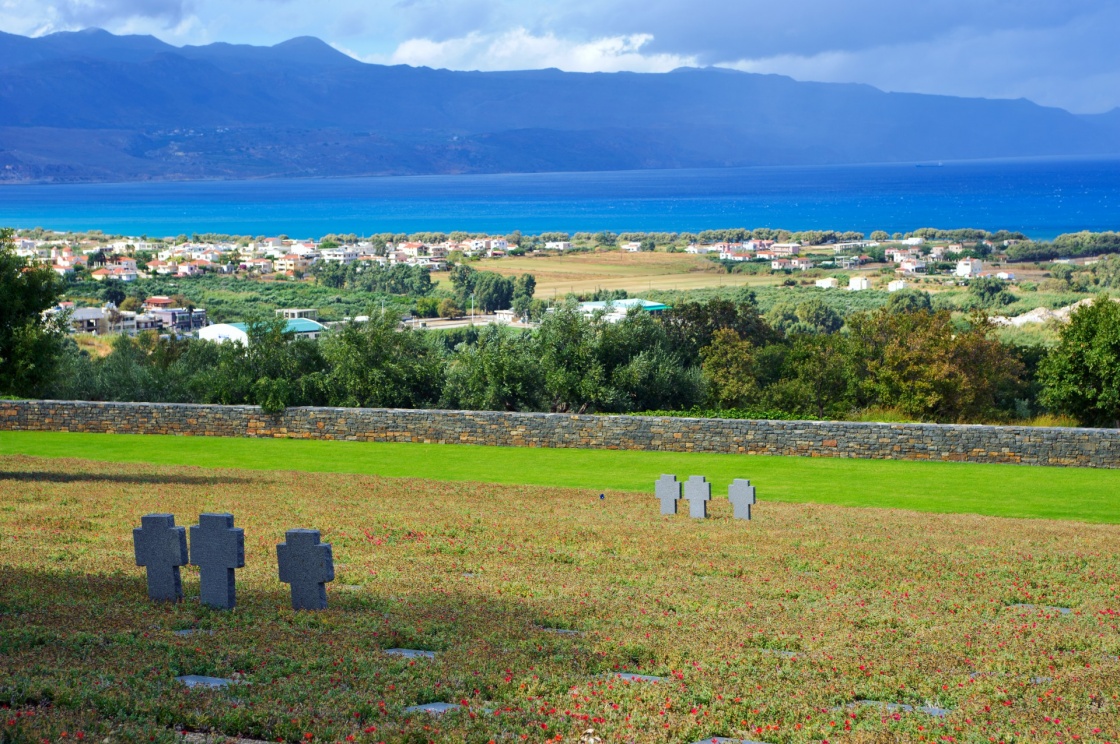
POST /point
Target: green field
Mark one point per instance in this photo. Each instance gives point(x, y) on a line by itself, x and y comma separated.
point(994, 490)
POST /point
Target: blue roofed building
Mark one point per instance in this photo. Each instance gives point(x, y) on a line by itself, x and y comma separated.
point(222, 332)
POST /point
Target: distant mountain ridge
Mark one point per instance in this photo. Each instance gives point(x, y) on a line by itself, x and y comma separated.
point(91, 106)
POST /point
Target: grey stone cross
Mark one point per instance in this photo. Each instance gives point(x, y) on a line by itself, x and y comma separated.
point(217, 548)
point(668, 492)
point(698, 492)
point(307, 565)
point(741, 495)
point(161, 547)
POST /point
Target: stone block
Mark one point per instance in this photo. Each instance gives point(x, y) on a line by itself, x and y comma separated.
point(698, 492)
point(307, 565)
point(217, 548)
point(161, 547)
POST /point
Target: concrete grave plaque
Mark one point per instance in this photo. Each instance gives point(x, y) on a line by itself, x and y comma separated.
point(161, 548)
point(632, 677)
point(668, 491)
point(904, 708)
point(217, 548)
point(435, 709)
point(195, 680)
point(307, 564)
point(698, 492)
point(741, 495)
point(559, 631)
point(725, 740)
point(410, 653)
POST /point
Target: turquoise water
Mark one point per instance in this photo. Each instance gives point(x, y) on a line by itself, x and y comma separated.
point(1041, 198)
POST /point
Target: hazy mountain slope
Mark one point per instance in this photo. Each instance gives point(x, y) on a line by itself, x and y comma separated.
point(93, 106)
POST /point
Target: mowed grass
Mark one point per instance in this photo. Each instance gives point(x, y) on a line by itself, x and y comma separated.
point(1086, 495)
point(767, 630)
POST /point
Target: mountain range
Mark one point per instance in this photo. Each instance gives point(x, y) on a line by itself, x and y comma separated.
point(92, 106)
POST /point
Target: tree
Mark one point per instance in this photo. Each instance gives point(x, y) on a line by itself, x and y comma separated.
point(30, 346)
point(500, 372)
point(377, 365)
point(525, 286)
point(922, 365)
point(810, 316)
point(990, 291)
point(492, 291)
point(690, 326)
point(448, 309)
point(909, 301)
point(1081, 374)
point(112, 291)
point(728, 369)
point(815, 378)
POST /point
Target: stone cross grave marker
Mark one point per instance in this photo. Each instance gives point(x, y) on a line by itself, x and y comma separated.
point(668, 491)
point(698, 492)
point(161, 548)
point(307, 565)
point(217, 548)
point(741, 495)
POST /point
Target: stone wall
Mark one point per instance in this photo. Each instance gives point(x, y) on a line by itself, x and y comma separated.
point(1098, 448)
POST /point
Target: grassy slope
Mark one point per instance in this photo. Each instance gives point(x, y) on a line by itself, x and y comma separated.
point(996, 490)
point(766, 628)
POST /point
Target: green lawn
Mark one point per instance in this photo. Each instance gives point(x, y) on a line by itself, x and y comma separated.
point(996, 490)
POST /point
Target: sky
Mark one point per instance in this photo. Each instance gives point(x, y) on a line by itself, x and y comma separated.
point(1054, 52)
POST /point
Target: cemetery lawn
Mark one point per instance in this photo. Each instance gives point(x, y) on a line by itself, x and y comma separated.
point(770, 630)
point(1080, 494)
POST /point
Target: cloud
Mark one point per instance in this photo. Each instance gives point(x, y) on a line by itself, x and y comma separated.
point(519, 49)
point(1063, 65)
point(68, 15)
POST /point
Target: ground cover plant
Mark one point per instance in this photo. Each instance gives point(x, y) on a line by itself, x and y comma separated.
point(1082, 494)
point(768, 630)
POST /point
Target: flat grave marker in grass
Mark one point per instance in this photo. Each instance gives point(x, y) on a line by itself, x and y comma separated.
point(726, 740)
point(635, 677)
point(307, 564)
point(698, 492)
point(741, 495)
point(197, 680)
point(559, 631)
point(1034, 607)
point(410, 653)
point(161, 548)
point(931, 710)
point(217, 548)
point(667, 490)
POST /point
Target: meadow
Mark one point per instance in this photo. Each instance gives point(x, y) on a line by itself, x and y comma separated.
point(1086, 495)
point(772, 630)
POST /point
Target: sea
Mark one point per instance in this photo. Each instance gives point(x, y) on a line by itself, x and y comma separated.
point(1039, 197)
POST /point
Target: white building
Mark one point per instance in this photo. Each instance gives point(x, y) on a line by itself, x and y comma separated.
point(858, 283)
point(558, 245)
point(969, 267)
point(896, 285)
point(827, 283)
